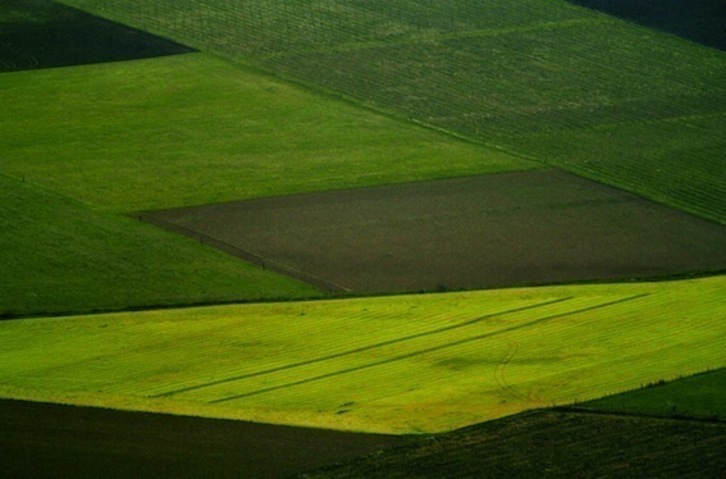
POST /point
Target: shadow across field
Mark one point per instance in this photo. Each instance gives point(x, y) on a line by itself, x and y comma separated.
point(49, 440)
point(43, 34)
point(553, 443)
point(701, 21)
point(499, 230)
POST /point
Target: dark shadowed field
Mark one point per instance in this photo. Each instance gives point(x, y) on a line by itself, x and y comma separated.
point(554, 444)
point(478, 232)
point(700, 21)
point(52, 441)
point(43, 34)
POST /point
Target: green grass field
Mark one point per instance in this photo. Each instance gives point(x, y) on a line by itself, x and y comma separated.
point(420, 363)
point(540, 77)
point(174, 131)
point(701, 395)
point(195, 129)
point(61, 256)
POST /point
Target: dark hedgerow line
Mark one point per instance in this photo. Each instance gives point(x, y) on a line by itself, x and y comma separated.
point(426, 351)
point(359, 350)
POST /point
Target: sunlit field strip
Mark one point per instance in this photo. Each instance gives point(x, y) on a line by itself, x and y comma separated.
point(410, 350)
point(395, 364)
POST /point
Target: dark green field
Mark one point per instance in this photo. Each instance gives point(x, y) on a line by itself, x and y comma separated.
point(700, 396)
point(700, 21)
point(553, 444)
point(41, 440)
point(571, 87)
point(42, 34)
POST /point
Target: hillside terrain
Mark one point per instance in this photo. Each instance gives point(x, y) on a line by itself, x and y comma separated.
point(568, 153)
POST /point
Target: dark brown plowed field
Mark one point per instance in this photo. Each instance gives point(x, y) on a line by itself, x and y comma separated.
point(498, 230)
point(553, 444)
point(46, 440)
point(43, 34)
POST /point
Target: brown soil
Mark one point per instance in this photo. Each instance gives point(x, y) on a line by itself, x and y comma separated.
point(47, 440)
point(554, 444)
point(498, 230)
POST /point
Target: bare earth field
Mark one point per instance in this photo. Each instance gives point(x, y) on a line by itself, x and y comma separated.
point(498, 230)
point(49, 440)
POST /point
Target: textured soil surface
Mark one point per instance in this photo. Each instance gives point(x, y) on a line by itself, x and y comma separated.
point(487, 231)
point(554, 444)
point(42, 34)
point(46, 440)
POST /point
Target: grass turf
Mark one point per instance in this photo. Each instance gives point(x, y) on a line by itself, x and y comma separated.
point(508, 73)
point(701, 395)
point(59, 255)
point(194, 129)
point(392, 364)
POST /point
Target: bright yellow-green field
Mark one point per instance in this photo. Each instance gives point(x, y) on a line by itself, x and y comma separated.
point(401, 364)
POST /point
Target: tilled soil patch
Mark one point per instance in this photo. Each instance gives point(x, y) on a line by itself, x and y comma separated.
point(49, 440)
point(509, 229)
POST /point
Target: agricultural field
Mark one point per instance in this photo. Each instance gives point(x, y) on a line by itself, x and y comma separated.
point(512, 71)
point(696, 20)
point(41, 34)
point(700, 396)
point(477, 232)
point(62, 256)
point(360, 147)
point(167, 132)
point(131, 444)
point(194, 129)
point(406, 364)
point(552, 444)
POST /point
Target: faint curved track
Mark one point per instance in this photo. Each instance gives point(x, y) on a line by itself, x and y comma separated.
point(412, 354)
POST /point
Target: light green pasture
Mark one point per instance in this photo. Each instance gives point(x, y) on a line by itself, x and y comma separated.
point(195, 129)
point(391, 364)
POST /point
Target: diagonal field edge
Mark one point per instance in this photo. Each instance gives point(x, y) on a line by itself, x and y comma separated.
point(359, 350)
point(425, 351)
point(318, 282)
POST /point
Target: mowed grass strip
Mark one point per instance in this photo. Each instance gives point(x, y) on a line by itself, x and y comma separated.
point(195, 129)
point(419, 363)
point(60, 256)
point(545, 70)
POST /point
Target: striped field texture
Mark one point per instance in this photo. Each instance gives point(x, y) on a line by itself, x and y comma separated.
point(392, 364)
point(571, 87)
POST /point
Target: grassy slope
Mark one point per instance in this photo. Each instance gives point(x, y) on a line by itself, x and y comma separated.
point(699, 395)
point(551, 444)
point(58, 255)
point(567, 85)
point(401, 364)
point(193, 129)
